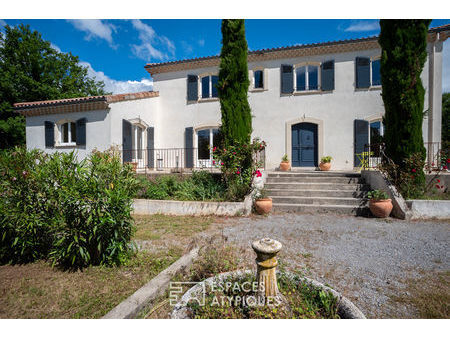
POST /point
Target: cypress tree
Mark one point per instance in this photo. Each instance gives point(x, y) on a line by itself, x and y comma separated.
point(403, 44)
point(233, 84)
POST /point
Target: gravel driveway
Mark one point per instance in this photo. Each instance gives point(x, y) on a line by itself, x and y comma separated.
point(368, 260)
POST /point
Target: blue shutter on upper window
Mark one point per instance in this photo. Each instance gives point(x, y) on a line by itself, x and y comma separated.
point(189, 147)
point(362, 72)
point(150, 147)
point(214, 82)
point(376, 77)
point(287, 79)
point(327, 75)
point(192, 88)
point(127, 142)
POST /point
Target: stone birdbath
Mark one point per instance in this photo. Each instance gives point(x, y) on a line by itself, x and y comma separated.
point(267, 292)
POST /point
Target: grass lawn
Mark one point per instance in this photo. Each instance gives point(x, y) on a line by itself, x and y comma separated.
point(37, 290)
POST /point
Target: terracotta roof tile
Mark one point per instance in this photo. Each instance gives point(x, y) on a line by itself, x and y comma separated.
point(154, 68)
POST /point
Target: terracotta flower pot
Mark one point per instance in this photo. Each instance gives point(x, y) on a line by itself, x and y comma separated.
point(325, 166)
point(285, 165)
point(133, 165)
point(380, 208)
point(263, 205)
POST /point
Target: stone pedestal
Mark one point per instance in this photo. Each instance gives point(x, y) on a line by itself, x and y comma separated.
point(266, 250)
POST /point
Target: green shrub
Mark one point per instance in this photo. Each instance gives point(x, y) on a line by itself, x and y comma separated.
point(200, 186)
point(377, 195)
point(75, 213)
point(326, 159)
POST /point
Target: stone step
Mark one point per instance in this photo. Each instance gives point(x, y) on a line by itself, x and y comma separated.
point(312, 201)
point(317, 186)
point(317, 193)
point(312, 174)
point(316, 179)
point(322, 209)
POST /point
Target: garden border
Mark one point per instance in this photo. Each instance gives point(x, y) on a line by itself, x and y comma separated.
point(429, 209)
point(192, 208)
point(131, 306)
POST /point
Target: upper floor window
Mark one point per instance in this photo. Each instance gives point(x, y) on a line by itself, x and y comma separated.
point(209, 86)
point(367, 72)
point(259, 79)
point(307, 77)
point(68, 133)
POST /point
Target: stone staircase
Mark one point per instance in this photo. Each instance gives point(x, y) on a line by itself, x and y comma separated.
point(318, 192)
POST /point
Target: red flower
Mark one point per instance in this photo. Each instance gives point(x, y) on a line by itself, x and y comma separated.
point(414, 170)
point(442, 187)
point(444, 167)
point(258, 173)
point(238, 172)
point(439, 181)
point(448, 160)
point(221, 163)
point(432, 163)
point(234, 153)
point(214, 162)
point(437, 186)
point(214, 149)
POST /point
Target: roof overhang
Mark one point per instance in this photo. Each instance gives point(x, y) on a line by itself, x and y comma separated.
point(332, 47)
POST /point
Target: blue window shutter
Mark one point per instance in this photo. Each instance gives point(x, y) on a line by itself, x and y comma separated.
point(214, 82)
point(361, 138)
point(327, 75)
point(192, 88)
point(49, 134)
point(287, 79)
point(81, 132)
point(189, 147)
point(362, 72)
point(127, 141)
point(150, 147)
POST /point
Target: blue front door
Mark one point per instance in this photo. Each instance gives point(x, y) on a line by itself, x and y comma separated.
point(304, 145)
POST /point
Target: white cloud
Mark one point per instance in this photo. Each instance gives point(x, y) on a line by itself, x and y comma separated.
point(201, 42)
point(119, 87)
point(95, 28)
point(152, 46)
point(446, 67)
point(55, 47)
point(363, 26)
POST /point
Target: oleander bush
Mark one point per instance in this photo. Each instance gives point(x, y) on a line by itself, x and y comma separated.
point(74, 213)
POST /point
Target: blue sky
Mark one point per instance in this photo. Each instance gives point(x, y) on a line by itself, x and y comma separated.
point(117, 50)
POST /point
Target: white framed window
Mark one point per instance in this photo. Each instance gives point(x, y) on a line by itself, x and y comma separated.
point(67, 133)
point(207, 139)
point(209, 86)
point(258, 77)
point(376, 131)
point(307, 77)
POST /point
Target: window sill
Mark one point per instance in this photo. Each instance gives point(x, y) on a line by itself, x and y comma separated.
point(375, 87)
point(66, 145)
point(208, 99)
point(308, 92)
point(257, 90)
point(368, 89)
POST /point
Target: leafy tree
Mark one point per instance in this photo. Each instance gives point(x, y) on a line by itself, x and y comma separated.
point(445, 120)
point(233, 84)
point(31, 70)
point(403, 44)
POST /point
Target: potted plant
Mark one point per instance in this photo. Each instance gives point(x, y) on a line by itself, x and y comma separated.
point(325, 163)
point(133, 165)
point(380, 204)
point(285, 165)
point(263, 203)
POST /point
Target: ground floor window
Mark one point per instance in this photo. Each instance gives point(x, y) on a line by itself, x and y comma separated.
point(207, 139)
point(68, 133)
point(137, 142)
point(376, 132)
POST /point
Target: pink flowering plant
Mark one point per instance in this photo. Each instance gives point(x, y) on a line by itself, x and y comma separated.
point(239, 163)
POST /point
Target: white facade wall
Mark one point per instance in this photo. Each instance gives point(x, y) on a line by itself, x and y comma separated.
point(98, 127)
point(273, 113)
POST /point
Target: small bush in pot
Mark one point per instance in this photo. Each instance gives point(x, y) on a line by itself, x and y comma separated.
point(325, 163)
point(380, 204)
point(285, 165)
point(263, 203)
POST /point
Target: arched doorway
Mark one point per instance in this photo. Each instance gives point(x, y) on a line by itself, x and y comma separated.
point(304, 145)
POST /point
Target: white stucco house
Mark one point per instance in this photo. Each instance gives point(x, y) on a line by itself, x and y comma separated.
point(307, 101)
